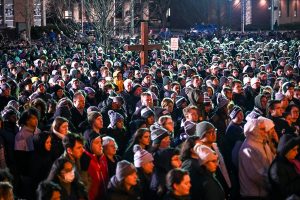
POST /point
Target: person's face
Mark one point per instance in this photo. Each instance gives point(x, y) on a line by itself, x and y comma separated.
point(138, 92)
point(288, 118)
point(147, 79)
point(165, 142)
point(145, 140)
point(64, 128)
point(48, 144)
point(148, 167)
point(262, 130)
point(176, 161)
point(192, 115)
point(79, 102)
point(256, 85)
point(150, 120)
point(284, 103)
point(169, 107)
point(148, 101)
point(55, 195)
point(169, 125)
point(131, 180)
point(280, 72)
point(77, 150)
point(277, 111)
point(111, 148)
point(263, 102)
point(212, 165)
point(235, 73)
point(97, 146)
point(215, 71)
point(289, 72)
point(294, 113)
point(32, 121)
point(120, 124)
point(60, 93)
point(68, 167)
point(28, 87)
point(75, 85)
point(176, 88)
point(128, 87)
point(237, 88)
point(297, 94)
point(98, 123)
point(196, 82)
point(42, 88)
point(210, 136)
point(183, 188)
point(291, 155)
point(240, 117)
point(7, 92)
point(290, 93)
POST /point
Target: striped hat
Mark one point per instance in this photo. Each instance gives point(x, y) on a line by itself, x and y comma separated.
point(141, 156)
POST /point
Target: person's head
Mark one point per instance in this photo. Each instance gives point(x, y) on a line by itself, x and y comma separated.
point(196, 81)
point(288, 90)
point(95, 120)
point(79, 101)
point(288, 146)
point(128, 84)
point(160, 137)
point(143, 159)
point(29, 118)
point(237, 86)
point(116, 120)
point(187, 150)
point(237, 115)
point(73, 145)
point(274, 107)
point(166, 122)
point(6, 191)
point(94, 144)
point(110, 146)
point(48, 190)
point(207, 132)
point(142, 137)
point(207, 157)
point(255, 129)
point(63, 171)
point(126, 174)
point(167, 104)
point(178, 182)
point(148, 115)
point(42, 142)
point(293, 110)
point(191, 113)
point(60, 125)
point(146, 99)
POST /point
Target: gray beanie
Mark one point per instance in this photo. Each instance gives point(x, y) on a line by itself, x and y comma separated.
point(203, 127)
point(158, 133)
point(222, 100)
point(92, 116)
point(141, 156)
point(124, 169)
point(114, 117)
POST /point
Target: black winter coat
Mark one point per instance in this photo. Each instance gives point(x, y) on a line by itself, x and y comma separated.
point(284, 179)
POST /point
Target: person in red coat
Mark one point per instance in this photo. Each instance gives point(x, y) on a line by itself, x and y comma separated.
point(94, 163)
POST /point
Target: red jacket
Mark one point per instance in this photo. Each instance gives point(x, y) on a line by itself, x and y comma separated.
point(98, 171)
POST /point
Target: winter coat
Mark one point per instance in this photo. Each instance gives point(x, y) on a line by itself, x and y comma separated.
point(97, 169)
point(116, 191)
point(172, 196)
point(77, 118)
point(57, 148)
point(195, 171)
point(144, 182)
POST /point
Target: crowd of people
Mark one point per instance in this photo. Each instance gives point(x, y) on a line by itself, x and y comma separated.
point(218, 119)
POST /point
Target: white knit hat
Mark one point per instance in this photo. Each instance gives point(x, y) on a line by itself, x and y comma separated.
point(205, 153)
point(141, 156)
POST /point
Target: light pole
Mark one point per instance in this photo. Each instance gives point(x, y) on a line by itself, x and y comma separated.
point(82, 16)
point(243, 13)
point(132, 18)
point(272, 15)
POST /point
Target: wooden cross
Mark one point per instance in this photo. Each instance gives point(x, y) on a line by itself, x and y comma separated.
point(144, 47)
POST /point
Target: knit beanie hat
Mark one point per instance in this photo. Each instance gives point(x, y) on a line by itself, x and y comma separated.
point(222, 100)
point(254, 80)
point(146, 112)
point(286, 143)
point(235, 111)
point(92, 116)
point(206, 98)
point(279, 96)
point(124, 169)
point(205, 153)
point(189, 128)
point(286, 86)
point(179, 101)
point(158, 133)
point(92, 108)
point(203, 127)
point(114, 117)
point(141, 156)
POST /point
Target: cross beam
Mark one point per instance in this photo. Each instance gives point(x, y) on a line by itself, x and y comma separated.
point(144, 47)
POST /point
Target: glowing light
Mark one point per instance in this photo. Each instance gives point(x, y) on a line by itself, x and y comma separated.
point(262, 3)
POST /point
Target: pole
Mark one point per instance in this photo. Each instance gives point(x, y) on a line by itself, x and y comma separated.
point(272, 15)
point(114, 17)
point(243, 15)
point(132, 18)
point(82, 16)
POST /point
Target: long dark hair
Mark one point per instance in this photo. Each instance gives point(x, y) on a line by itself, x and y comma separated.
point(137, 137)
point(185, 152)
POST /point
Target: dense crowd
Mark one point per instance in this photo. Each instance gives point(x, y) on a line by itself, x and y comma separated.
point(217, 119)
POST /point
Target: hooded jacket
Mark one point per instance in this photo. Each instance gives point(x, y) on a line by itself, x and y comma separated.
point(284, 179)
point(257, 110)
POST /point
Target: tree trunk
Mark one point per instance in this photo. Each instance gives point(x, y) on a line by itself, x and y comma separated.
point(28, 19)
